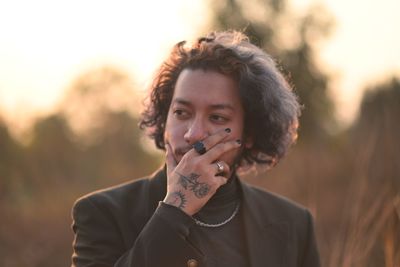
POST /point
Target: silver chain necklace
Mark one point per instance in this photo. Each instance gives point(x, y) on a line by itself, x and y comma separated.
point(214, 225)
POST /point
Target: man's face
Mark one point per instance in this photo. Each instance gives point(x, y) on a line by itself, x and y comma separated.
point(203, 103)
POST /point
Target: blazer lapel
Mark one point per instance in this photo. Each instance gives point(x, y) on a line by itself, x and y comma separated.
point(267, 240)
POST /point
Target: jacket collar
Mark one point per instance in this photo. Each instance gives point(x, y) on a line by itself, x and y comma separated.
point(267, 239)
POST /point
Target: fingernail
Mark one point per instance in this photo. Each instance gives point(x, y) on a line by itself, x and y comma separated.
point(239, 142)
point(228, 130)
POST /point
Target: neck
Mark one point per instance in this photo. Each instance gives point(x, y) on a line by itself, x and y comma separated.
point(227, 193)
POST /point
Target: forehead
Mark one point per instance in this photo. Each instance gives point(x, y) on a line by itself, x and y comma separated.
point(206, 87)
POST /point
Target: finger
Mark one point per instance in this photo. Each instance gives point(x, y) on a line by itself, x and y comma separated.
point(218, 150)
point(225, 168)
point(221, 180)
point(216, 138)
point(169, 158)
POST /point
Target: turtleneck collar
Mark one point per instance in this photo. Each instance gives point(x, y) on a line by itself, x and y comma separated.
point(226, 194)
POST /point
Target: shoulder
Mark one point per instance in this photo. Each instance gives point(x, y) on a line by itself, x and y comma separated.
point(276, 207)
point(293, 221)
point(116, 195)
point(124, 198)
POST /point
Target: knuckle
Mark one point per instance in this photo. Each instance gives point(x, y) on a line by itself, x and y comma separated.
point(196, 163)
point(220, 148)
point(185, 157)
point(210, 172)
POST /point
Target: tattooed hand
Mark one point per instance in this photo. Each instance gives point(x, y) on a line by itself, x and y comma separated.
point(193, 181)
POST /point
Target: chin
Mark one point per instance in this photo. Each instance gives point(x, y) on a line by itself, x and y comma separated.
point(178, 158)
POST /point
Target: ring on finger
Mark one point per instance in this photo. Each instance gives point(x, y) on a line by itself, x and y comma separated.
point(220, 166)
point(199, 147)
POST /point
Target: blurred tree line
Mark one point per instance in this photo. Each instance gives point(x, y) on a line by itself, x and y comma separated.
point(91, 142)
point(349, 178)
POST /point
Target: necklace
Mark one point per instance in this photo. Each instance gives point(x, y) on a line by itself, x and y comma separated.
point(214, 225)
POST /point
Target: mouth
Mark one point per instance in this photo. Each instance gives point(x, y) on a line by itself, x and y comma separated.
point(179, 152)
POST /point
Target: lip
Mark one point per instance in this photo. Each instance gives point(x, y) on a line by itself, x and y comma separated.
point(179, 152)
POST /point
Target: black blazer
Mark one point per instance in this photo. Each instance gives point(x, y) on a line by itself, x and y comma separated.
point(116, 227)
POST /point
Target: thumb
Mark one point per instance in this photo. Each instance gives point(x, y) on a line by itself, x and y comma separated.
point(169, 158)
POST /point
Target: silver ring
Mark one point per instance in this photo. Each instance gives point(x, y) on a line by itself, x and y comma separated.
point(199, 147)
point(220, 167)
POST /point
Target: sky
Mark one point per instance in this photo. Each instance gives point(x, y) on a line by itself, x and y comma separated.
point(363, 50)
point(46, 44)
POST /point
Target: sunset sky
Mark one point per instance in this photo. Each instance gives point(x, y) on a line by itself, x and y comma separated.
point(45, 44)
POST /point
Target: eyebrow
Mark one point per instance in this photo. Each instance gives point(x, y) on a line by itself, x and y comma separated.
point(213, 106)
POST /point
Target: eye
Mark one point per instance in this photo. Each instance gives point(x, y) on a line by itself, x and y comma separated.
point(218, 118)
point(180, 113)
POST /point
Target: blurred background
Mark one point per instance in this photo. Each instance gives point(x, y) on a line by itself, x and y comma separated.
point(73, 75)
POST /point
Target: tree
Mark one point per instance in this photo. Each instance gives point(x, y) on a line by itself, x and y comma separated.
point(291, 39)
point(61, 163)
point(10, 155)
point(95, 93)
point(100, 106)
point(377, 127)
point(51, 157)
point(371, 233)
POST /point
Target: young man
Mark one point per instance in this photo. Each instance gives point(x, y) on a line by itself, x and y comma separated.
point(215, 107)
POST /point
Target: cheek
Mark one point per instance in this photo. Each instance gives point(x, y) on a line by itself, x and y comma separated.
point(167, 130)
point(231, 156)
point(173, 132)
point(237, 131)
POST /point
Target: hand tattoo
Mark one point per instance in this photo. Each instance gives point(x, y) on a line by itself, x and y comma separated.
point(191, 182)
point(177, 199)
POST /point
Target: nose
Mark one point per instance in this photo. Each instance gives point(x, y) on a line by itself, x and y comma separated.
point(196, 131)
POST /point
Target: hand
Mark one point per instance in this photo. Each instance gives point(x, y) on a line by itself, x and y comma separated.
point(192, 182)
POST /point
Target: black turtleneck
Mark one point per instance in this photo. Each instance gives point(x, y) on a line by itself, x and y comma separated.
point(223, 245)
point(222, 204)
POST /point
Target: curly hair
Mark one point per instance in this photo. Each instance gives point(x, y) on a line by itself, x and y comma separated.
point(270, 106)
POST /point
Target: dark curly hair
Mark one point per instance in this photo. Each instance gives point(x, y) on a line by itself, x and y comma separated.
point(271, 108)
